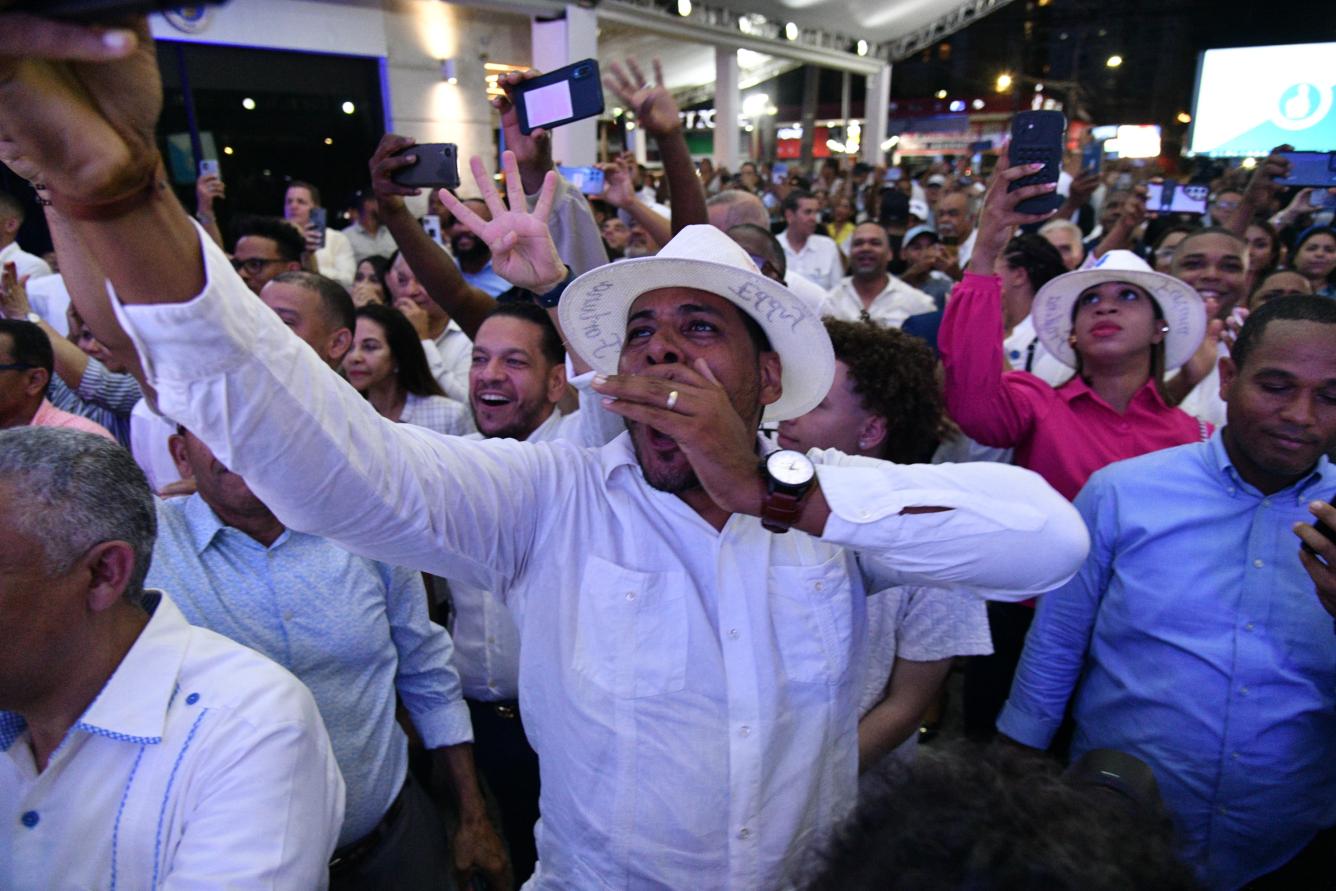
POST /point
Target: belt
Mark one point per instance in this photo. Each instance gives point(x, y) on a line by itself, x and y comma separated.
point(348, 856)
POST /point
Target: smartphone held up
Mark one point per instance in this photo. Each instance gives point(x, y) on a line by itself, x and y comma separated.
point(1037, 138)
point(559, 97)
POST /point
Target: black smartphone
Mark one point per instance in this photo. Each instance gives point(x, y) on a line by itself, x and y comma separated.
point(559, 97)
point(437, 167)
point(320, 220)
point(1316, 169)
point(94, 10)
point(1325, 530)
point(1036, 138)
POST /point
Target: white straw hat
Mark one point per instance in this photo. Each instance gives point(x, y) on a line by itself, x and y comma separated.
point(594, 307)
point(1181, 306)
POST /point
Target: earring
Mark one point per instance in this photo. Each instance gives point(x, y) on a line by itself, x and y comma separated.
point(1164, 327)
point(1071, 340)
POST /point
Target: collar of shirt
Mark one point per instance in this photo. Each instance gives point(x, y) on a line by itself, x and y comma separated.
point(205, 525)
point(1218, 457)
point(1148, 396)
point(132, 705)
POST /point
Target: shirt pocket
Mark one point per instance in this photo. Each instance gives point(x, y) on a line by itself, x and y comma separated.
point(631, 635)
point(811, 611)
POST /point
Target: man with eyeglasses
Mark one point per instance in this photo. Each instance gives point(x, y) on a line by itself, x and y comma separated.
point(266, 248)
point(26, 366)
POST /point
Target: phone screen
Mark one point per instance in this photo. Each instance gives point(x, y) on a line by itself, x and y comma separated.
point(543, 105)
point(1175, 198)
point(209, 166)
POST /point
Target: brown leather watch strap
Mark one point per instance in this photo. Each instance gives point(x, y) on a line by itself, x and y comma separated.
point(780, 510)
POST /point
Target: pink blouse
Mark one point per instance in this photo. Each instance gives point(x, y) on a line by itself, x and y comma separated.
point(1062, 433)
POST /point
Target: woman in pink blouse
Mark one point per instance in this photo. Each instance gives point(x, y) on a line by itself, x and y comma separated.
point(1119, 326)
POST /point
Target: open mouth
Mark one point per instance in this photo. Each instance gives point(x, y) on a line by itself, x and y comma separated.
point(493, 399)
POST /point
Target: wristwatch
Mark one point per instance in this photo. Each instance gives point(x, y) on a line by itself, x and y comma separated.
point(788, 478)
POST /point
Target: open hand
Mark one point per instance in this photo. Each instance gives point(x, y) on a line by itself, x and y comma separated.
point(13, 295)
point(521, 243)
point(617, 187)
point(656, 110)
point(703, 422)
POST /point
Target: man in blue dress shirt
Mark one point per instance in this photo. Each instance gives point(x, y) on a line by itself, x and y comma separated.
point(356, 632)
point(1194, 638)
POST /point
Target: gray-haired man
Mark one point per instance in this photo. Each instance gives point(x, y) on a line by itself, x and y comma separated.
point(133, 745)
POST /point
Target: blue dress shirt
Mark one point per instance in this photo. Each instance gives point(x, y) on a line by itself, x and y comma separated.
point(1194, 639)
point(487, 280)
point(352, 629)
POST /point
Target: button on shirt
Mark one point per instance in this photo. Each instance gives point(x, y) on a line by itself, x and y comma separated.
point(353, 630)
point(1194, 640)
point(487, 640)
point(819, 259)
point(200, 764)
point(634, 685)
point(896, 302)
point(1064, 434)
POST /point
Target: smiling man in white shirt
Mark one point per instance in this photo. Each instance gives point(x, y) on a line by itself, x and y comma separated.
point(685, 669)
point(137, 751)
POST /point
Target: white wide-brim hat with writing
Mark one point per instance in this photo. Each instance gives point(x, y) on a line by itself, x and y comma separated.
point(595, 306)
point(1182, 306)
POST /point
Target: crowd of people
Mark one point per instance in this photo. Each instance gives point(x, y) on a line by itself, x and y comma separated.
point(628, 540)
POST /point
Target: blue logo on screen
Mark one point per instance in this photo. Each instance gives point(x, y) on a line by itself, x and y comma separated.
point(1300, 106)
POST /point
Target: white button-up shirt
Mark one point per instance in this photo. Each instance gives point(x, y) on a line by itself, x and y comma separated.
point(819, 259)
point(896, 302)
point(689, 691)
point(201, 764)
point(487, 640)
point(449, 356)
point(27, 265)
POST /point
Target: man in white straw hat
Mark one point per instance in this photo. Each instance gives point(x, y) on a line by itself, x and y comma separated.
point(686, 669)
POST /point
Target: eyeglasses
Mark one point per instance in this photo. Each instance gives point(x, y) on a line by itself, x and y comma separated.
point(254, 264)
point(16, 366)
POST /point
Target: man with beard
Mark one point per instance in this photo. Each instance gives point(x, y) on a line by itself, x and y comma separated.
point(472, 255)
point(871, 293)
point(686, 669)
point(516, 381)
point(1198, 636)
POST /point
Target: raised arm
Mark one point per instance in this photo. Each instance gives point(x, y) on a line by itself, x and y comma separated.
point(657, 114)
point(223, 364)
point(996, 408)
point(434, 268)
point(1261, 188)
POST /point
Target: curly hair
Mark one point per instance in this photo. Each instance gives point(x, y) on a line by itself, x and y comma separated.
point(896, 375)
point(998, 819)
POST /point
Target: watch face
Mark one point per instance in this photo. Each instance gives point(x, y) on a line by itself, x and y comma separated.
point(790, 468)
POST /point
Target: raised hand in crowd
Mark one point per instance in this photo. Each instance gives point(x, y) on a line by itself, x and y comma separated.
point(533, 150)
point(657, 114)
point(1261, 189)
point(208, 189)
point(1078, 193)
point(999, 216)
point(1122, 233)
point(617, 187)
point(521, 244)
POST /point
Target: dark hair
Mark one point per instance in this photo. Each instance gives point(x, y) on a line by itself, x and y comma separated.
point(1299, 308)
point(775, 251)
point(795, 196)
point(1212, 230)
point(961, 816)
point(896, 375)
point(303, 184)
point(1307, 235)
point(551, 345)
point(30, 345)
point(1274, 256)
point(287, 239)
point(1037, 256)
point(380, 267)
point(334, 300)
point(414, 374)
point(11, 206)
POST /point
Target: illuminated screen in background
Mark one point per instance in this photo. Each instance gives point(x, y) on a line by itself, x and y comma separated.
point(544, 105)
point(1251, 99)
